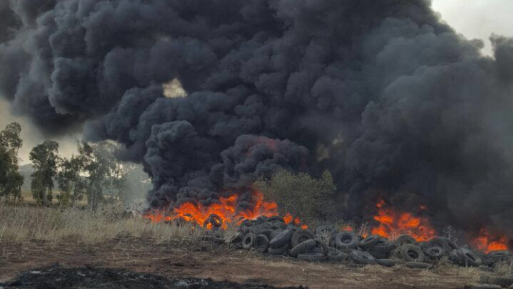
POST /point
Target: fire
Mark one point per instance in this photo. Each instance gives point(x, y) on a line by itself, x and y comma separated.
point(391, 221)
point(347, 228)
point(225, 209)
point(288, 219)
point(486, 242)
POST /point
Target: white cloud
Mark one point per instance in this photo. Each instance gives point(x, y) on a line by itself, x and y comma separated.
point(477, 18)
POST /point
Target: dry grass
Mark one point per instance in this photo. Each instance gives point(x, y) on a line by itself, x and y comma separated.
point(22, 223)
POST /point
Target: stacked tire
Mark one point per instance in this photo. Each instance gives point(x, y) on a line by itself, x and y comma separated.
point(273, 236)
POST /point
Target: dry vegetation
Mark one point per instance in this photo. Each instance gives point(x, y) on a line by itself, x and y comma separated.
point(37, 236)
point(53, 225)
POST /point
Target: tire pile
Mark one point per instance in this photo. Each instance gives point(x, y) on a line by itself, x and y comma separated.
point(273, 236)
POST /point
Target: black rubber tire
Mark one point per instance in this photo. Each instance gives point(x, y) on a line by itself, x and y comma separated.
point(469, 258)
point(278, 226)
point(261, 243)
point(383, 247)
point(303, 247)
point(498, 256)
point(275, 233)
point(262, 219)
point(275, 219)
point(389, 262)
point(455, 257)
point(440, 242)
point(236, 238)
point(346, 241)
point(411, 253)
point(404, 239)
point(361, 257)
point(248, 241)
point(336, 255)
point(301, 236)
point(434, 252)
point(281, 239)
point(279, 251)
point(418, 265)
point(370, 241)
point(244, 229)
point(496, 280)
point(326, 232)
point(266, 232)
point(312, 257)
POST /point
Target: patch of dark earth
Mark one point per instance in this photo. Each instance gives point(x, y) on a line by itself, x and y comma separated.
point(59, 277)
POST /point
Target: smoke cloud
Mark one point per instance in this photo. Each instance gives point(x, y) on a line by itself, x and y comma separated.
point(402, 106)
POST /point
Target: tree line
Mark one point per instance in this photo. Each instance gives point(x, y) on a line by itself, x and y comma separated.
point(93, 174)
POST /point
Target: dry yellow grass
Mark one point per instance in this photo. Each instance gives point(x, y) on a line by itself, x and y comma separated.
point(23, 223)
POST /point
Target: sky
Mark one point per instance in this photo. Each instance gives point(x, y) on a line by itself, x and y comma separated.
point(472, 18)
point(477, 18)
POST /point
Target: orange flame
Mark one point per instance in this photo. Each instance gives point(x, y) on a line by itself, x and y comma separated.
point(347, 228)
point(486, 242)
point(288, 219)
point(225, 209)
point(392, 222)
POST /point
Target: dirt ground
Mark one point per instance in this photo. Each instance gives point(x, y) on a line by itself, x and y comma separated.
point(220, 263)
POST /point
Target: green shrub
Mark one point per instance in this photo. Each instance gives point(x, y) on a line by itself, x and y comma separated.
point(301, 195)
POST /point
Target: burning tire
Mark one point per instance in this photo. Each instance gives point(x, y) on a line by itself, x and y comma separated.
point(248, 241)
point(361, 257)
point(281, 239)
point(303, 247)
point(496, 280)
point(411, 253)
point(299, 237)
point(261, 243)
point(346, 240)
point(312, 257)
point(214, 220)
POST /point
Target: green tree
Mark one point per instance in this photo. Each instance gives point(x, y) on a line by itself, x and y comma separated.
point(100, 166)
point(301, 195)
point(71, 184)
point(45, 159)
point(10, 179)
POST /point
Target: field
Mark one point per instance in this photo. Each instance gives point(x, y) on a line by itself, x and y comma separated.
point(32, 237)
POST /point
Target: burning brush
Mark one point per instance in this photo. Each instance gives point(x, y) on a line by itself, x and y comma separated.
point(222, 213)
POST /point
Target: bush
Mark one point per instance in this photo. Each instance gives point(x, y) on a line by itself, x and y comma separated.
point(301, 195)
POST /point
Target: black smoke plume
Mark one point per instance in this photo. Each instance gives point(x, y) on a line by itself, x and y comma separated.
point(386, 96)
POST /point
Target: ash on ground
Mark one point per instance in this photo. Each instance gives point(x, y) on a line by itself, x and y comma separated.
point(59, 277)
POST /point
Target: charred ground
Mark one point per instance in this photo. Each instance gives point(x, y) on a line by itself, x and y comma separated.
point(176, 260)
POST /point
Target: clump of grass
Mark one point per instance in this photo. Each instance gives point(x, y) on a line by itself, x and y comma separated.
point(21, 223)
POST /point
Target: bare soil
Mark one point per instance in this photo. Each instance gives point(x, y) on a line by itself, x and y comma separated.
point(220, 263)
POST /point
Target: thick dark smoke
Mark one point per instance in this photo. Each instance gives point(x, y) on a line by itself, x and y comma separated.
point(383, 94)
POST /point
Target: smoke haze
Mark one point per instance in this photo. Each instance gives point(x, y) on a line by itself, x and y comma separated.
point(402, 106)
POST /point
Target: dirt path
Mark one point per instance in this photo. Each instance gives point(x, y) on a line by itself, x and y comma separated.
point(221, 263)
